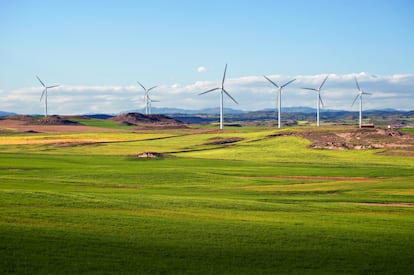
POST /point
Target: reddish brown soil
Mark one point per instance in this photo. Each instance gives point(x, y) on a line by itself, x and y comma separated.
point(149, 121)
point(23, 126)
point(357, 139)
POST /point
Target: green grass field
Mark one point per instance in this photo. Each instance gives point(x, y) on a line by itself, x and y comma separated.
point(408, 130)
point(84, 204)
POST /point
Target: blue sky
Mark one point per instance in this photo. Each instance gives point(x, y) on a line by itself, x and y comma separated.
point(97, 50)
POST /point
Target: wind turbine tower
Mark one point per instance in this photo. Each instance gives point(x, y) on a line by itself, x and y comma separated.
point(147, 98)
point(279, 98)
point(44, 93)
point(359, 95)
point(150, 104)
point(222, 92)
point(318, 100)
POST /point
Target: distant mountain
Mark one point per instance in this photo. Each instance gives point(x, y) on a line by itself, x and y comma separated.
point(287, 111)
point(3, 114)
point(207, 111)
point(227, 111)
point(99, 116)
point(305, 110)
point(379, 117)
point(382, 110)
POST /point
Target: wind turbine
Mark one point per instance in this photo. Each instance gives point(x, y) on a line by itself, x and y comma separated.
point(319, 99)
point(44, 93)
point(359, 95)
point(279, 97)
point(222, 92)
point(147, 98)
point(150, 101)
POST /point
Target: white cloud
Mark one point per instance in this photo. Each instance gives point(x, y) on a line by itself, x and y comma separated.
point(252, 92)
point(201, 69)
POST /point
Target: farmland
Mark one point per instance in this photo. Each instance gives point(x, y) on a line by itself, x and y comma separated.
point(238, 201)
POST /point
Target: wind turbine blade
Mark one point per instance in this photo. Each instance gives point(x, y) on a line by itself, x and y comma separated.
point(142, 86)
point(152, 100)
point(310, 89)
point(287, 83)
point(209, 91)
point(356, 82)
point(355, 99)
point(54, 86)
point(364, 93)
point(43, 93)
point(229, 96)
point(152, 88)
point(271, 81)
point(326, 78)
point(320, 99)
point(41, 82)
point(224, 76)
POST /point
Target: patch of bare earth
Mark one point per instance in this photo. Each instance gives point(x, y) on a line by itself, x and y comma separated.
point(143, 122)
point(29, 125)
point(359, 139)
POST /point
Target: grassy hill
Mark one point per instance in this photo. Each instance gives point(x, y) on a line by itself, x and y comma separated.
point(239, 201)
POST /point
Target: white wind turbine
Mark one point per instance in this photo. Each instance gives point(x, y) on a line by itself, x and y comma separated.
point(359, 95)
point(222, 92)
point(319, 99)
point(279, 98)
point(44, 93)
point(147, 98)
point(150, 104)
